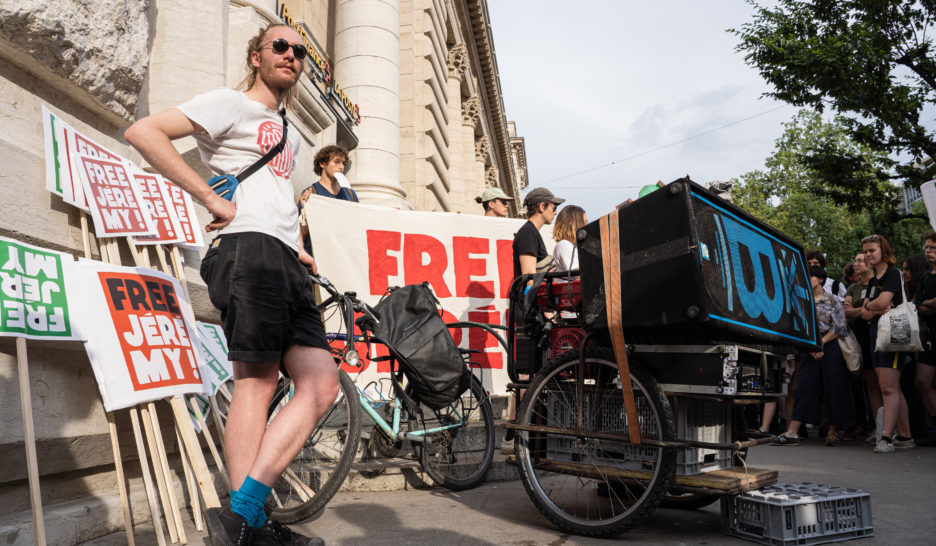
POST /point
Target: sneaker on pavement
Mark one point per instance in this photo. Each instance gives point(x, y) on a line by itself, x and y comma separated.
point(275, 534)
point(784, 440)
point(904, 444)
point(226, 528)
point(870, 440)
point(883, 446)
point(833, 439)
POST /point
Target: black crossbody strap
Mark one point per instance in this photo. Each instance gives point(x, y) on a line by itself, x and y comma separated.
point(269, 155)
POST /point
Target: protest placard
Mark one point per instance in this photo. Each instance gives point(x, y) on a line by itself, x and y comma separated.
point(217, 368)
point(78, 145)
point(185, 211)
point(141, 347)
point(158, 203)
point(116, 202)
point(61, 177)
point(467, 259)
point(37, 288)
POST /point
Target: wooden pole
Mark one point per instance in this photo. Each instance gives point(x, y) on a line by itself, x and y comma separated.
point(196, 409)
point(171, 525)
point(111, 423)
point(147, 479)
point(190, 483)
point(161, 447)
point(29, 439)
point(197, 458)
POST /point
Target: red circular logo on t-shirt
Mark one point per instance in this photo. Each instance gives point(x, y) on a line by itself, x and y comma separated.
point(269, 136)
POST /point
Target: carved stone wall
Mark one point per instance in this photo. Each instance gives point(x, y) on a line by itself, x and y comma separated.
point(99, 46)
point(471, 111)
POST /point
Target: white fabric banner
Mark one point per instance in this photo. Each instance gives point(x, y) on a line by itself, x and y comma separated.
point(140, 344)
point(466, 258)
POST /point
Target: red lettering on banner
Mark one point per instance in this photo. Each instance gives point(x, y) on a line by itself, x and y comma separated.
point(467, 267)
point(505, 265)
point(415, 246)
point(153, 335)
point(457, 333)
point(380, 265)
point(481, 340)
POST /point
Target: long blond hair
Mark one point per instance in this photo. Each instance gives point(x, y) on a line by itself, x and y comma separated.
point(569, 220)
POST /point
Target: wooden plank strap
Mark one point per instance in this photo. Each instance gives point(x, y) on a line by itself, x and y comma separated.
point(611, 261)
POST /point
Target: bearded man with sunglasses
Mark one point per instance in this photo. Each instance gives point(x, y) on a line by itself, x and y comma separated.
point(256, 273)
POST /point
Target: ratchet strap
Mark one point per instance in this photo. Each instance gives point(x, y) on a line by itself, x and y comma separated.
point(611, 262)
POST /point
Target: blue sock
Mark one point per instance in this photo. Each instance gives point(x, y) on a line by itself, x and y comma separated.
point(248, 502)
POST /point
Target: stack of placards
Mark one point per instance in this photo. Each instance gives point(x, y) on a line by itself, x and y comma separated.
point(123, 199)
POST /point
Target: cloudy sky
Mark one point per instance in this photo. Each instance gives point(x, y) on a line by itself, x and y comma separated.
point(628, 82)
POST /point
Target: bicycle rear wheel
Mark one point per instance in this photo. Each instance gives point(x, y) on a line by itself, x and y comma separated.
point(586, 485)
point(318, 470)
point(457, 458)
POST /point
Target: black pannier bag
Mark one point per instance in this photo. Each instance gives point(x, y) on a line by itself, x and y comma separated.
point(414, 332)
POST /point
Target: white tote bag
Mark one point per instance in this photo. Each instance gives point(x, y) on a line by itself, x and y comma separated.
point(899, 329)
point(851, 351)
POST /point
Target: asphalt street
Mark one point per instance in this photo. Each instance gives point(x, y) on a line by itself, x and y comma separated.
point(902, 486)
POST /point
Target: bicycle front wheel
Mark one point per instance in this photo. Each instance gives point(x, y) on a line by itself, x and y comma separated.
point(458, 458)
point(584, 484)
point(318, 470)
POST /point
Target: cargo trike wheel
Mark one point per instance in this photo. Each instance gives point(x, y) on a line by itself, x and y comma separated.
point(584, 484)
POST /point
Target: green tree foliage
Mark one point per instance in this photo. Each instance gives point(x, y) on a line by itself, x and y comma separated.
point(871, 60)
point(790, 195)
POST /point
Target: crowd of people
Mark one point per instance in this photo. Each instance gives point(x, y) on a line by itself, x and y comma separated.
point(872, 405)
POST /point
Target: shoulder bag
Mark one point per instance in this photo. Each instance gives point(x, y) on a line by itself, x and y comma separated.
point(851, 351)
point(898, 330)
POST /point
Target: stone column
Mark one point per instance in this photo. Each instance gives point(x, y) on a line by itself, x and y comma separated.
point(367, 66)
point(472, 175)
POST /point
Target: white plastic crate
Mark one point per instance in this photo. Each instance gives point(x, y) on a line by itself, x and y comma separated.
point(702, 421)
point(803, 513)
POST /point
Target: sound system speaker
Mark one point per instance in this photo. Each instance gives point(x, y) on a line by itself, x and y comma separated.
point(695, 268)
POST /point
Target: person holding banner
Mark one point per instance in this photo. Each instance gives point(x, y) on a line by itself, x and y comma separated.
point(256, 273)
point(494, 202)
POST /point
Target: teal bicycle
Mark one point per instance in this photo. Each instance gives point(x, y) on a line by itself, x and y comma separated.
point(454, 445)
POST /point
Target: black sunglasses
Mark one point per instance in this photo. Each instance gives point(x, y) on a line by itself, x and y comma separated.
point(280, 45)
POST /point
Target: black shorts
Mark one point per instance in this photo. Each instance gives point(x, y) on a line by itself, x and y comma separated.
point(264, 294)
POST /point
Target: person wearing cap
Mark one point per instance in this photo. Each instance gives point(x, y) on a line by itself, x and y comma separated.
point(529, 251)
point(494, 202)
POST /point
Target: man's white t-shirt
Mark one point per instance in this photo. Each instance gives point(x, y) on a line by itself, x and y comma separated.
point(240, 131)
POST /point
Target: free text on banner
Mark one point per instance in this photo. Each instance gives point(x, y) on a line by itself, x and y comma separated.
point(141, 347)
point(466, 258)
point(37, 292)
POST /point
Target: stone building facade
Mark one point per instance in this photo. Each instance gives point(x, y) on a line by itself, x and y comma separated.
point(410, 86)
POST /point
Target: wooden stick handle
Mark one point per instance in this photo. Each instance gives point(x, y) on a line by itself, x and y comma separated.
point(29, 439)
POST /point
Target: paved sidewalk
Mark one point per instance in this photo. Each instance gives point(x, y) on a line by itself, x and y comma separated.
point(902, 487)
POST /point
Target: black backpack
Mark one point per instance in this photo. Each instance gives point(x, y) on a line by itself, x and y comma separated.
point(417, 337)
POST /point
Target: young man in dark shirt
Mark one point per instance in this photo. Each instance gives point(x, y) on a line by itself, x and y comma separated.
point(529, 252)
point(528, 247)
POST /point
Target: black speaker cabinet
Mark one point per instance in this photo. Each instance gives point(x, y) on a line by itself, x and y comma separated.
point(697, 269)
